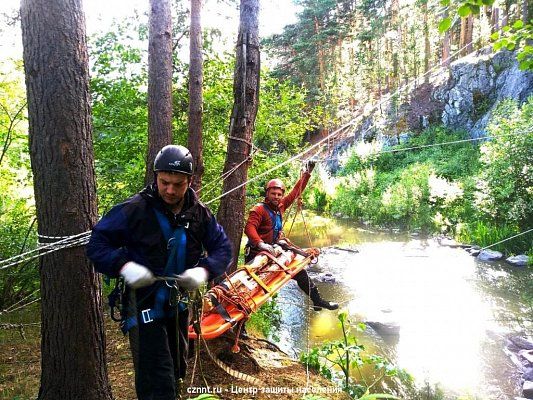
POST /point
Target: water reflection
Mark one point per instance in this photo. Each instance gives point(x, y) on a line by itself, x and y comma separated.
point(433, 310)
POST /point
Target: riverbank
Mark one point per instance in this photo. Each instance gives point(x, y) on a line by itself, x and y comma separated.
point(281, 377)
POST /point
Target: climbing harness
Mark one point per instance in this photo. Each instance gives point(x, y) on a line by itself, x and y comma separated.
point(166, 292)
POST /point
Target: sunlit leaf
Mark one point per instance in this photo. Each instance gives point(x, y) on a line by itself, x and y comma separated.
point(495, 36)
point(445, 24)
point(464, 10)
point(518, 24)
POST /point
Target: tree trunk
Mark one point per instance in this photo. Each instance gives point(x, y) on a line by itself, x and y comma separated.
point(525, 11)
point(446, 45)
point(320, 55)
point(159, 82)
point(73, 359)
point(495, 20)
point(246, 99)
point(469, 34)
point(427, 44)
point(195, 94)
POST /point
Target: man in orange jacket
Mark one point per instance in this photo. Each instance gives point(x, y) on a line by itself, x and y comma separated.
point(264, 228)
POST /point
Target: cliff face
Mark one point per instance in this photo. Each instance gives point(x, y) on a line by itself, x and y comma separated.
point(462, 96)
point(476, 84)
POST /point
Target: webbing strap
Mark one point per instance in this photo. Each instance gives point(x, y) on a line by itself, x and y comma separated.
point(275, 260)
point(220, 309)
point(256, 278)
point(277, 223)
point(177, 244)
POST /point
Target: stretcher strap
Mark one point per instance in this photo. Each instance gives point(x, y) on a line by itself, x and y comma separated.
point(275, 261)
point(257, 279)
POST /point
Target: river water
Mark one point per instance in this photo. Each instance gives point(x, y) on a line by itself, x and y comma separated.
point(433, 310)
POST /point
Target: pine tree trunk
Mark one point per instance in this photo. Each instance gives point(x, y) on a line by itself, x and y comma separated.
point(159, 82)
point(73, 358)
point(446, 45)
point(427, 44)
point(462, 36)
point(525, 11)
point(195, 94)
point(321, 61)
point(246, 98)
point(495, 20)
point(469, 34)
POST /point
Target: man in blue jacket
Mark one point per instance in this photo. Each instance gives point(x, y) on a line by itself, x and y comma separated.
point(162, 231)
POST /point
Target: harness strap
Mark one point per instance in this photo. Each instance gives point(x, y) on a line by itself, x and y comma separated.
point(220, 309)
point(177, 244)
point(277, 221)
point(256, 278)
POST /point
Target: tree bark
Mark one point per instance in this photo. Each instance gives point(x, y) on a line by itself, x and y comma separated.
point(159, 82)
point(495, 20)
point(320, 55)
point(427, 44)
point(525, 11)
point(246, 100)
point(195, 94)
point(446, 45)
point(469, 34)
point(73, 358)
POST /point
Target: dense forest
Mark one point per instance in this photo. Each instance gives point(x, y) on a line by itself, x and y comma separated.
point(342, 64)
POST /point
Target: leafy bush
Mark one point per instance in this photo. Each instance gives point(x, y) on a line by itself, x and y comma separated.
point(342, 359)
point(504, 192)
point(267, 319)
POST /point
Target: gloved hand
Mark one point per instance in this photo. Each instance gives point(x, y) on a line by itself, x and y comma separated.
point(309, 165)
point(266, 247)
point(137, 275)
point(192, 278)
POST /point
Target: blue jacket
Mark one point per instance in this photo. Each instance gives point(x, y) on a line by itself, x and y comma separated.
point(130, 231)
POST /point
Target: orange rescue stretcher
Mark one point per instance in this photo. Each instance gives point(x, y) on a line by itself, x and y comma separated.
point(230, 303)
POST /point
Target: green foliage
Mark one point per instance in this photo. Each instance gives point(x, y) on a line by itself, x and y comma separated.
point(267, 319)
point(481, 194)
point(280, 125)
point(516, 36)
point(17, 211)
point(485, 234)
point(505, 182)
point(120, 122)
point(410, 188)
point(340, 360)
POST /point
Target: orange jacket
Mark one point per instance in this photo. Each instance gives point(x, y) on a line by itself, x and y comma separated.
point(259, 226)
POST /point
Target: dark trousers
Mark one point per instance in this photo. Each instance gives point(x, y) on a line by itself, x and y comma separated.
point(159, 350)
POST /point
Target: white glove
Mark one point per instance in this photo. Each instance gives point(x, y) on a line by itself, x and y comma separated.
point(266, 247)
point(192, 278)
point(137, 275)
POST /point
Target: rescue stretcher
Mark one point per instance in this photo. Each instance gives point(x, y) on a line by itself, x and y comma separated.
point(230, 303)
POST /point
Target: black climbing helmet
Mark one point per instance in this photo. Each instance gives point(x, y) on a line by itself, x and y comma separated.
point(174, 158)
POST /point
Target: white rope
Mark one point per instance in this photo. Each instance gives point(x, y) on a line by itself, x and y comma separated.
point(335, 132)
point(9, 309)
point(68, 241)
point(505, 240)
point(436, 144)
point(20, 307)
point(82, 238)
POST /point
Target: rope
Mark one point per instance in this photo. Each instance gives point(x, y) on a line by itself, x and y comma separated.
point(67, 241)
point(7, 311)
point(82, 238)
point(505, 240)
point(226, 174)
point(335, 132)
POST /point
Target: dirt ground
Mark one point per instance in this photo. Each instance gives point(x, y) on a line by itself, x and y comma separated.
point(279, 376)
